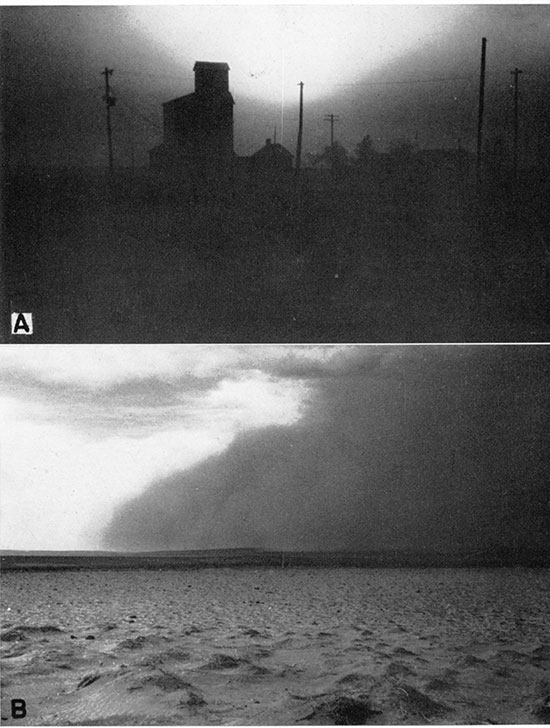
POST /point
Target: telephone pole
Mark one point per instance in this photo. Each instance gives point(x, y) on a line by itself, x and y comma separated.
point(300, 128)
point(515, 73)
point(109, 101)
point(332, 118)
point(480, 113)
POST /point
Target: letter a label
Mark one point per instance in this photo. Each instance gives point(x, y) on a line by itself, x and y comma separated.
point(21, 323)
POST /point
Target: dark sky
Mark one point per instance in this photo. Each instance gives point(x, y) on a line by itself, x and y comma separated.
point(435, 448)
point(392, 72)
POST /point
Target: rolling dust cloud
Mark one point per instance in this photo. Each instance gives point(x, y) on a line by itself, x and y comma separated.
point(436, 449)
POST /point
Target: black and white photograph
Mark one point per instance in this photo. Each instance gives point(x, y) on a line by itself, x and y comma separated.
point(276, 449)
point(275, 173)
point(275, 535)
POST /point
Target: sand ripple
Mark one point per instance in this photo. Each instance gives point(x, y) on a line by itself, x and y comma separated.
point(274, 646)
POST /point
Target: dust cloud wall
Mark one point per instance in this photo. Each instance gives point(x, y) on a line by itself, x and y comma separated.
point(424, 448)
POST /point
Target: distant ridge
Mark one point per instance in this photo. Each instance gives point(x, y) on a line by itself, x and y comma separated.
point(242, 557)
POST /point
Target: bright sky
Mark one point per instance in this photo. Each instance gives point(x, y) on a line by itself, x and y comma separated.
point(271, 48)
point(85, 427)
point(387, 70)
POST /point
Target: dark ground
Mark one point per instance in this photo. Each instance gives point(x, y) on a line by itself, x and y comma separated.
point(395, 255)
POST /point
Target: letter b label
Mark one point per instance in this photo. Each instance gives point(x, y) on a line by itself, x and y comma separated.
point(18, 708)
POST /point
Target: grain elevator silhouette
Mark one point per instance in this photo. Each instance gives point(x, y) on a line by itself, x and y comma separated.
point(198, 127)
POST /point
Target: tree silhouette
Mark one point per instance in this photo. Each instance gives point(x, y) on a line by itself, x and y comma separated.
point(334, 157)
point(364, 151)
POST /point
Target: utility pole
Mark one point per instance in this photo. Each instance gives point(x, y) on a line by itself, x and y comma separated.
point(480, 114)
point(300, 128)
point(109, 101)
point(515, 73)
point(332, 118)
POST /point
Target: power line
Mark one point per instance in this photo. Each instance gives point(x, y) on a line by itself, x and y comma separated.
point(134, 110)
point(147, 74)
point(406, 82)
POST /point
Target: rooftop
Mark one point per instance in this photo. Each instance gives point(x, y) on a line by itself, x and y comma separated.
point(213, 66)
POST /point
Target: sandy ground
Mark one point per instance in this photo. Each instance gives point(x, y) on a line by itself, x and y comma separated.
point(277, 646)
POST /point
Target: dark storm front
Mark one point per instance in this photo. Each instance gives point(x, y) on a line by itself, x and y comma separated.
point(409, 244)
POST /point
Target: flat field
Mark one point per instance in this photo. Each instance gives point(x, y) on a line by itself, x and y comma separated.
point(267, 646)
point(407, 254)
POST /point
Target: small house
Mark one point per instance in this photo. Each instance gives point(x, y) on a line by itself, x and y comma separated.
point(271, 157)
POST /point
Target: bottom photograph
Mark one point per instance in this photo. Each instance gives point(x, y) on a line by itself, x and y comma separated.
point(275, 535)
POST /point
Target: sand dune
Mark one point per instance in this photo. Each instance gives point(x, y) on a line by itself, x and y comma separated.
point(277, 646)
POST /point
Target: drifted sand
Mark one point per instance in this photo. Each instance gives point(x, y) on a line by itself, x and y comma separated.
point(277, 646)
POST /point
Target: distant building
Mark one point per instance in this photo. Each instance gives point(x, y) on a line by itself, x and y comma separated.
point(198, 127)
point(271, 157)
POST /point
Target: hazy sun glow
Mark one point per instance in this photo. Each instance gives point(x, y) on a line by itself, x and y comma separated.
point(270, 49)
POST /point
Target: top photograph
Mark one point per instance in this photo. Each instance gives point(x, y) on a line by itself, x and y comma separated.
point(275, 174)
